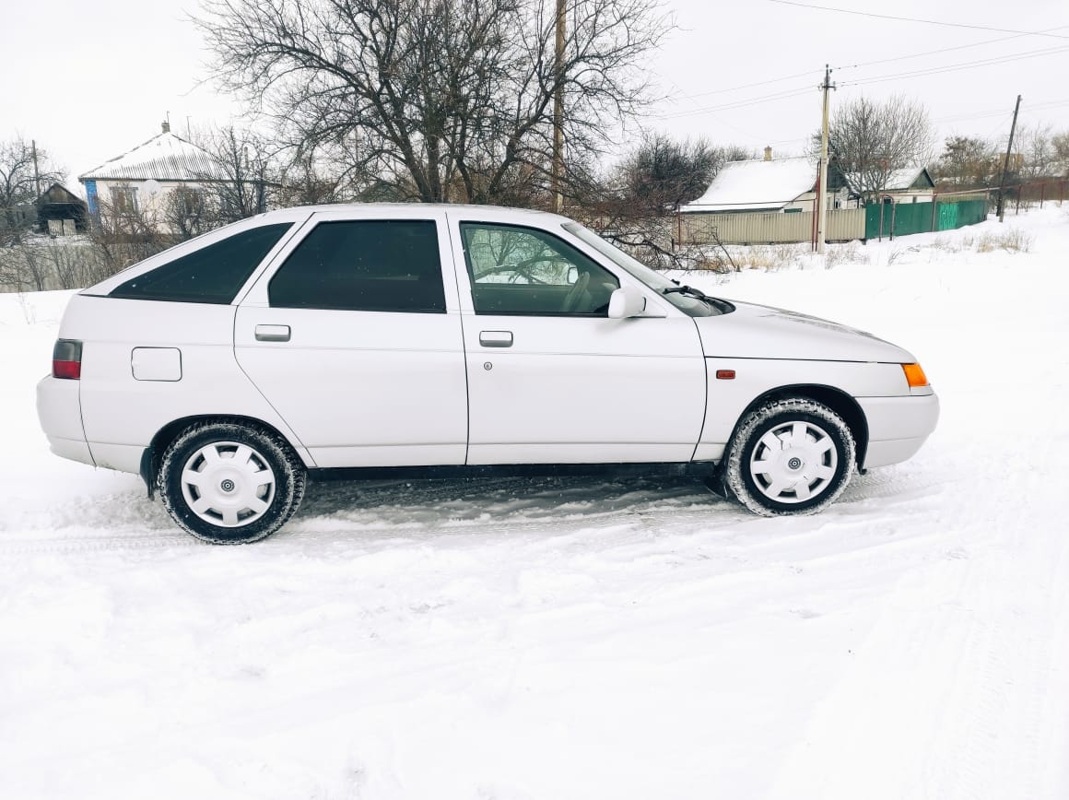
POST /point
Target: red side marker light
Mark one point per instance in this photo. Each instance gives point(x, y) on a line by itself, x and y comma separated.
point(725, 374)
point(67, 359)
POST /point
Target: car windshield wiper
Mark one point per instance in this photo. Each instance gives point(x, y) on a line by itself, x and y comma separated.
point(723, 306)
point(687, 290)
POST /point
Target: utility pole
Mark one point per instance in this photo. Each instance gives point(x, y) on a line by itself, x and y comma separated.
point(558, 114)
point(36, 170)
point(1006, 163)
point(822, 183)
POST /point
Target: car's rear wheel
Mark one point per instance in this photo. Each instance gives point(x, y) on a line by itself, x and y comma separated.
point(230, 483)
point(789, 456)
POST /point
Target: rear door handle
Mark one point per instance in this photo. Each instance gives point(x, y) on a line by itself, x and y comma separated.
point(495, 338)
point(272, 333)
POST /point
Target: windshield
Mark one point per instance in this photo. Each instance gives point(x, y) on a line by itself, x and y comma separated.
point(685, 302)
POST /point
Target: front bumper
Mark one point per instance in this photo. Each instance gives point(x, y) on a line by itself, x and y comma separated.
point(898, 426)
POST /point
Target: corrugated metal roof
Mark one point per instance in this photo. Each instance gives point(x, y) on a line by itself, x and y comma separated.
point(899, 180)
point(164, 157)
point(754, 185)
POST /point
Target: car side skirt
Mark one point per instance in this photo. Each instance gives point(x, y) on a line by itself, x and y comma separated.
point(695, 469)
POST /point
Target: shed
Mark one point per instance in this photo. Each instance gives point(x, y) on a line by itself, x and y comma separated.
point(60, 212)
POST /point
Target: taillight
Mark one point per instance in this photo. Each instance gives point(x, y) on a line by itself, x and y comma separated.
point(67, 359)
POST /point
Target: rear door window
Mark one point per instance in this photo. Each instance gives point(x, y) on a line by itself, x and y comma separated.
point(364, 265)
point(212, 274)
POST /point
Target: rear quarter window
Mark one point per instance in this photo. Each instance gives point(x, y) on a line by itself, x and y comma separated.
point(212, 274)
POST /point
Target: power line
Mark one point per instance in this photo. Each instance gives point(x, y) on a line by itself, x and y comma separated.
point(914, 19)
point(751, 85)
point(942, 50)
point(957, 67)
point(871, 63)
point(862, 81)
point(797, 92)
point(739, 104)
point(1002, 113)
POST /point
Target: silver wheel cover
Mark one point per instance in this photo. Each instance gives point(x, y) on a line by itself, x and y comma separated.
point(794, 462)
point(228, 484)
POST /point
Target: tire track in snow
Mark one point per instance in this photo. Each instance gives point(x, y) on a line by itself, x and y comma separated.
point(385, 512)
point(89, 539)
point(377, 509)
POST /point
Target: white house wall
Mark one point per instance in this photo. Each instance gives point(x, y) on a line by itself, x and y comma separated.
point(151, 201)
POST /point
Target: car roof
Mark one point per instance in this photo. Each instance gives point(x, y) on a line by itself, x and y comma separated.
point(299, 214)
point(364, 209)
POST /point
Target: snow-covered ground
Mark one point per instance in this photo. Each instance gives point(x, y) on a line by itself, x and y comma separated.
point(580, 638)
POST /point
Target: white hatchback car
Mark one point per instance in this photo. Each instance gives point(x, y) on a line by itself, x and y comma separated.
point(436, 338)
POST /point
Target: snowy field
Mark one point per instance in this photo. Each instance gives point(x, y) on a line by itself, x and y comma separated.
point(570, 639)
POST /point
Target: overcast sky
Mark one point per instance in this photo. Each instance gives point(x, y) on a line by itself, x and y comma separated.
point(90, 81)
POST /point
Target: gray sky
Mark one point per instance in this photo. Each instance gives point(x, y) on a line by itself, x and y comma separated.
point(95, 79)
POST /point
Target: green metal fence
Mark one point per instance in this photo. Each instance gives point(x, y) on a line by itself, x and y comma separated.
point(902, 219)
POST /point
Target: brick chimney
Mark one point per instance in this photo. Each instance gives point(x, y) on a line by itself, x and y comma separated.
point(166, 126)
point(768, 154)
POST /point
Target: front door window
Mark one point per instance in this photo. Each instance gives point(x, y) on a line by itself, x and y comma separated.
point(523, 271)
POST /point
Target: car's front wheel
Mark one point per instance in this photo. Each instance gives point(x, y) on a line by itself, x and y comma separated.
point(230, 483)
point(789, 456)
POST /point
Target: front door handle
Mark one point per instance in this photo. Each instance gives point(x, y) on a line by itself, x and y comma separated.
point(272, 333)
point(495, 338)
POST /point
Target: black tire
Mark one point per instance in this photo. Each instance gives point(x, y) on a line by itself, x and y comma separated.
point(230, 483)
point(790, 456)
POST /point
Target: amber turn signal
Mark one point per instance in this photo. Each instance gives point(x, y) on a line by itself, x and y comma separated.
point(915, 376)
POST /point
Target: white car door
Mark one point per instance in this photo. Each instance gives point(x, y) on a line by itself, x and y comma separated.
point(353, 334)
point(551, 379)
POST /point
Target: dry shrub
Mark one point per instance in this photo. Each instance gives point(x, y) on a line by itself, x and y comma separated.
point(843, 254)
point(767, 257)
point(1012, 240)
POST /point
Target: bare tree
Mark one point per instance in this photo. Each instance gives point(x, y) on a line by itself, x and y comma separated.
point(871, 140)
point(443, 99)
point(19, 181)
point(633, 205)
point(245, 174)
point(1035, 151)
point(326, 174)
point(662, 173)
point(1060, 143)
point(23, 268)
point(189, 211)
point(125, 234)
point(968, 162)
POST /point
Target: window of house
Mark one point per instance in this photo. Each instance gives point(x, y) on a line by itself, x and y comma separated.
point(212, 274)
point(525, 271)
point(188, 201)
point(123, 199)
point(364, 265)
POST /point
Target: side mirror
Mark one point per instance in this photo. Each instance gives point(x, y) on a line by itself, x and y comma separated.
point(625, 302)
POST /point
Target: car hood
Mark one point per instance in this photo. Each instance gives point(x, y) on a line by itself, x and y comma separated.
point(754, 331)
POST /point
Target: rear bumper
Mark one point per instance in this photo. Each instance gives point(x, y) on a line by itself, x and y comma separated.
point(60, 414)
point(898, 426)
